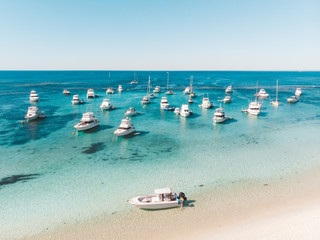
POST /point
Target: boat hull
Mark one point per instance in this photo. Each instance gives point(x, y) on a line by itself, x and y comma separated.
point(85, 127)
point(153, 205)
point(120, 133)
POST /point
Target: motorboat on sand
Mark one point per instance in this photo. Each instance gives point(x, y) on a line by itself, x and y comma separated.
point(162, 199)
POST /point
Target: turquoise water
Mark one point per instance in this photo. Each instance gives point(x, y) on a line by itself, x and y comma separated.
point(48, 176)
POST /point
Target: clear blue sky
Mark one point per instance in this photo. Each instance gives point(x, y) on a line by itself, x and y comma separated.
point(160, 35)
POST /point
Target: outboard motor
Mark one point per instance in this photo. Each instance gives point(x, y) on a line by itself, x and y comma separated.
point(182, 195)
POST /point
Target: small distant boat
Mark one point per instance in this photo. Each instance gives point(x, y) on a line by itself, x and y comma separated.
point(227, 99)
point(168, 108)
point(185, 112)
point(120, 89)
point(190, 100)
point(229, 89)
point(125, 128)
point(33, 114)
point(157, 89)
point(66, 92)
point(206, 103)
point(276, 102)
point(168, 92)
point(177, 111)
point(106, 105)
point(76, 100)
point(109, 90)
point(135, 80)
point(151, 95)
point(186, 91)
point(298, 92)
point(219, 115)
point(131, 112)
point(262, 93)
point(34, 96)
point(254, 108)
point(87, 122)
point(162, 199)
point(164, 103)
point(90, 93)
point(293, 99)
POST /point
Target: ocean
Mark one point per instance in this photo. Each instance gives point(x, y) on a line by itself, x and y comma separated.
point(50, 176)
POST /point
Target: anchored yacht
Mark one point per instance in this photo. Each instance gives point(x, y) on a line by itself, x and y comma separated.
point(87, 121)
point(32, 114)
point(185, 112)
point(120, 89)
point(262, 93)
point(164, 103)
point(34, 96)
point(227, 99)
point(298, 92)
point(157, 89)
point(163, 198)
point(125, 128)
point(219, 115)
point(66, 92)
point(131, 112)
point(106, 105)
point(293, 99)
point(206, 103)
point(229, 89)
point(90, 93)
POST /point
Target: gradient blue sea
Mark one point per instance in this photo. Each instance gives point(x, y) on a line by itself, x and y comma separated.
point(48, 176)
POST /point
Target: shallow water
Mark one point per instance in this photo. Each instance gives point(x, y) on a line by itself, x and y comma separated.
point(49, 176)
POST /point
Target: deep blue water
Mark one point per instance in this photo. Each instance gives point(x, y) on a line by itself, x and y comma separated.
point(49, 176)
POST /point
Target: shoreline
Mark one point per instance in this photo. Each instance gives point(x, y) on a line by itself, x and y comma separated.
point(215, 213)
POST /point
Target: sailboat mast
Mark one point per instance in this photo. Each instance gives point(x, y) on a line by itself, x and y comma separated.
point(109, 79)
point(148, 89)
point(191, 80)
point(167, 80)
point(277, 91)
point(256, 92)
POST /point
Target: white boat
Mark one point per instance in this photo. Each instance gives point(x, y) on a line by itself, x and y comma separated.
point(75, 100)
point(34, 96)
point(206, 103)
point(90, 93)
point(109, 90)
point(219, 115)
point(106, 105)
point(66, 92)
point(146, 99)
point(293, 99)
point(125, 128)
point(151, 95)
point(190, 100)
point(185, 112)
point(32, 114)
point(157, 89)
point(87, 121)
point(254, 108)
point(276, 102)
point(262, 93)
point(227, 99)
point(168, 92)
point(120, 89)
point(135, 80)
point(131, 112)
point(298, 92)
point(164, 103)
point(229, 89)
point(186, 91)
point(162, 199)
point(176, 111)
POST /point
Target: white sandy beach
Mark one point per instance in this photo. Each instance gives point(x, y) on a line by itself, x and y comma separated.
point(241, 211)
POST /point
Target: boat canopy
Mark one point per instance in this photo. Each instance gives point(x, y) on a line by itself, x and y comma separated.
point(163, 191)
